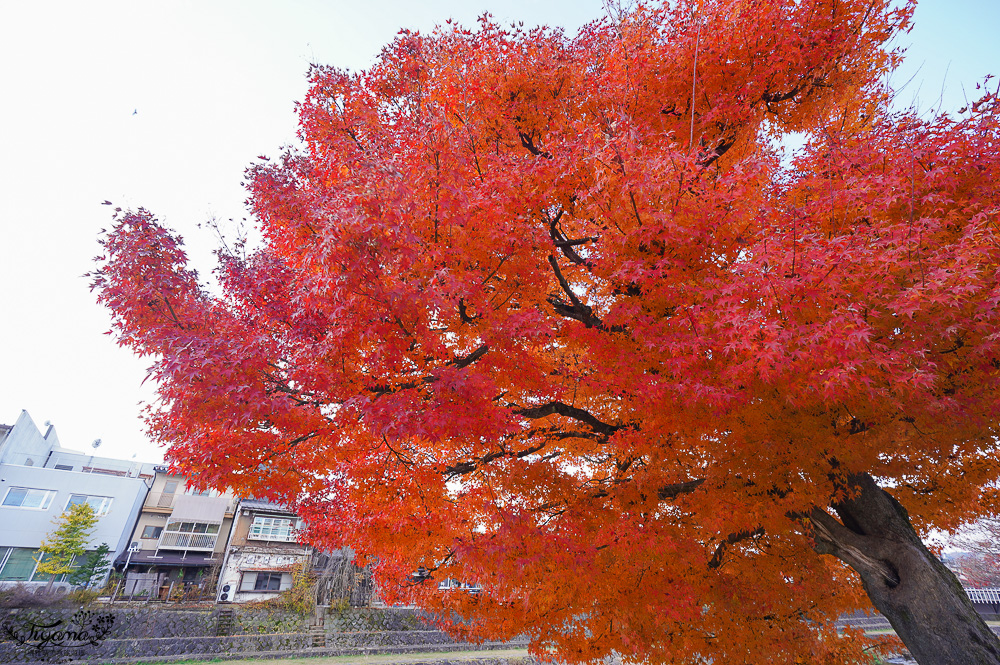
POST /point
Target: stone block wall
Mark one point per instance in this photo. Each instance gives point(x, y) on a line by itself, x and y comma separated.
point(155, 633)
point(367, 619)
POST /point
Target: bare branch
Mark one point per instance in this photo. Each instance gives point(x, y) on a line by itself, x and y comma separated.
point(173, 314)
point(578, 311)
point(471, 358)
point(463, 313)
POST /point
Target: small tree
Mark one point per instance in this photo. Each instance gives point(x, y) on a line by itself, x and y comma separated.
point(981, 562)
point(94, 567)
point(68, 540)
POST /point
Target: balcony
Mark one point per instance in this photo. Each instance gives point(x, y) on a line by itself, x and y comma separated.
point(187, 541)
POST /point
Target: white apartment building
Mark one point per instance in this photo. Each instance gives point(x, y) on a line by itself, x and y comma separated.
point(39, 480)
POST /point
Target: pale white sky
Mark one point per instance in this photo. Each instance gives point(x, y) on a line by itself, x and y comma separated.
point(163, 104)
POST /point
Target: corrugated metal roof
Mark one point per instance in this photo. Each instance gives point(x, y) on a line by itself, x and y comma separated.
point(203, 509)
point(262, 504)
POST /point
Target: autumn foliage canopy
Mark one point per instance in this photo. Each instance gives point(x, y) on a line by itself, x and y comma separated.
point(552, 314)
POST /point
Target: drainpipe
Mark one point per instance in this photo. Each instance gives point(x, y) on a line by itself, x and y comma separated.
point(228, 551)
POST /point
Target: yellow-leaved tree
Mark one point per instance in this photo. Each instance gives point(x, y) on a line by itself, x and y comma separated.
point(67, 541)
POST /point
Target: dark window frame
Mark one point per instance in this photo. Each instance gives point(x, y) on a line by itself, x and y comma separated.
point(156, 532)
point(267, 581)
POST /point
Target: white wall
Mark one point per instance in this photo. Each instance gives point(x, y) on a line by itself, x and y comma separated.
point(25, 527)
point(25, 441)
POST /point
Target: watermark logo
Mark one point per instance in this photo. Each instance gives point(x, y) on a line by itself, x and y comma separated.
point(50, 633)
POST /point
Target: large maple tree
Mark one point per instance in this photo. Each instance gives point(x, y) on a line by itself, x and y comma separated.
point(552, 314)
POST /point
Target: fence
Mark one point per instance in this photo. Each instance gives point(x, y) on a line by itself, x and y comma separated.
point(144, 588)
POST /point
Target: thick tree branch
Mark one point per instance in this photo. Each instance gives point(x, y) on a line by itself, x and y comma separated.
point(573, 243)
point(463, 313)
point(732, 539)
point(706, 158)
point(559, 408)
point(528, 141)
point(460, 362)
point(461, 468)
point(852, 548)
point(575, 309)
point(577, 304)
point(564, 244)
point(675, 490)
point(471, 358)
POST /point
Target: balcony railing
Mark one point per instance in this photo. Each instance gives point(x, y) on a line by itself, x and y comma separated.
point(79, 464)
point(187, 541)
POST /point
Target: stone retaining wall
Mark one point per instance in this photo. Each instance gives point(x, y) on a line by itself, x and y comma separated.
point(356, 619)
point(143, 622)
point(157, 634)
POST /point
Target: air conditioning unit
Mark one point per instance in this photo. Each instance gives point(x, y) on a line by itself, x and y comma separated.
point(226, 588)
point(224, 596)
point(134, 547)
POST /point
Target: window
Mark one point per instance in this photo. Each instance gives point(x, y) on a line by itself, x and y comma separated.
point(26, 497)
point(152, 531)
point(17, 564)
point(64, 467)
point(62, 577)
point(192, 527)
point(272, 528)
point(170, 487)
point(265, 581)
point(100, 504)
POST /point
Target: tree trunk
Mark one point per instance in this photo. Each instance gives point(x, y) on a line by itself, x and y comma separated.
point(921, 598)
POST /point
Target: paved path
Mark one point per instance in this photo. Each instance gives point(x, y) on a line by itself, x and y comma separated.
point(470, 657)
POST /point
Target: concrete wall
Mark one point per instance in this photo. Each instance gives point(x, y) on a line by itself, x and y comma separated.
point(25, 443)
